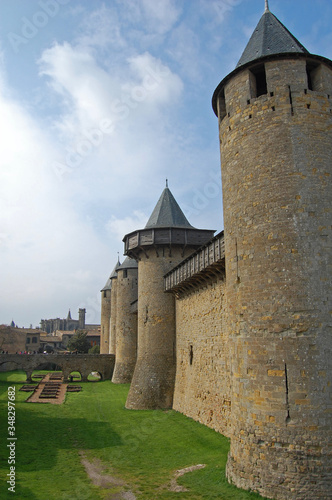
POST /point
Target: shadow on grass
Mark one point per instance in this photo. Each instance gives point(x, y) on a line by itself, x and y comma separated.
point(41, 437)
point(21, 492)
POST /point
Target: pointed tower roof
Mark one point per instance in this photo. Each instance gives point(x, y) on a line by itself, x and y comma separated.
point(270, 40)
point(167, 226)
point(69, 315)
point(270, 37)
point(113, 275)
point(128, 263)
point(116, 267)
point(167, 212)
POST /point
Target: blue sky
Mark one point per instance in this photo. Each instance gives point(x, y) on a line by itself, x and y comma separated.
point(100, 102)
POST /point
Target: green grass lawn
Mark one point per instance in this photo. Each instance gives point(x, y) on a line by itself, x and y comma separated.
point(138, 451)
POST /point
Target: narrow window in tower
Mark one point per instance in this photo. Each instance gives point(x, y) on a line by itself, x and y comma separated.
point(313, 75)
point(309, 78)
point(191, 355)
point(221, 106)
point(258, 85)
point(105, 294)
point(125, 274)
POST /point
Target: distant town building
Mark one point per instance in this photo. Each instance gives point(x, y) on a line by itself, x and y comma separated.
point(51, 325)
point(13, 339)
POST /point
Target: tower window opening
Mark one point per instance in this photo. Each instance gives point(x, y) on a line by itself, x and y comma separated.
point(125, 273)
point(309, 78)
point(313, 76)
point(221, 106)
point(191, 355)
point(258, 84)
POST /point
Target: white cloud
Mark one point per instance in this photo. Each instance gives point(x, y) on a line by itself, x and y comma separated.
point(132, 98)
point(60, 231)
point(161, 14)
point(120, 227)
point(44, 244)
point(155, 83)
point(102, 28)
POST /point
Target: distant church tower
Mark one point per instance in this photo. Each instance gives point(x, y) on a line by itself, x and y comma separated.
point(166, 240)
point(275, 123)
point(126, 322)
point(81, 318)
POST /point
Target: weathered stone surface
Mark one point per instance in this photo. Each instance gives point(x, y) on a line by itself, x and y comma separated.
point(112, 329)
point(105, 321)
point(202, 384)
point(153, 381)
point(276, 157)
point(126, 327)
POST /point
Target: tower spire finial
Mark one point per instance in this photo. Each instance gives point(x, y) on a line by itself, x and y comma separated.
point(167, 183)
point(267, 5)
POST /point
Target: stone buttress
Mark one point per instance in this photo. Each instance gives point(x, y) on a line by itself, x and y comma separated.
point(275, 122)
point(163, 243)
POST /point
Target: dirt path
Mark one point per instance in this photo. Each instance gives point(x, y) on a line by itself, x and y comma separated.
point(94, 470)
point(174, 486)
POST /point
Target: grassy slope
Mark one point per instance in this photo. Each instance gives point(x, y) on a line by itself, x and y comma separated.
point(144, 448)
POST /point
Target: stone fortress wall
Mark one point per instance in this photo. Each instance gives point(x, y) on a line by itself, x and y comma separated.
point(202, 389)
point(235, 330)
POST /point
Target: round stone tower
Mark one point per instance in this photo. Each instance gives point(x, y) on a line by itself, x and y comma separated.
point(106, 306)
point(126, 322)
point(162, 244)
point(275, 122)
point(112, 319)
point(105, 317)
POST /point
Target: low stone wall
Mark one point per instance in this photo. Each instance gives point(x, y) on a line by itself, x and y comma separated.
point(67, 363)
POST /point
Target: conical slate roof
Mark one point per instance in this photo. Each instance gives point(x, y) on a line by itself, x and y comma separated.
point(270, 37)
point(113, 275)
point(167, 213)
point(116, 267)
point(108, 285)
point(128, 263)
